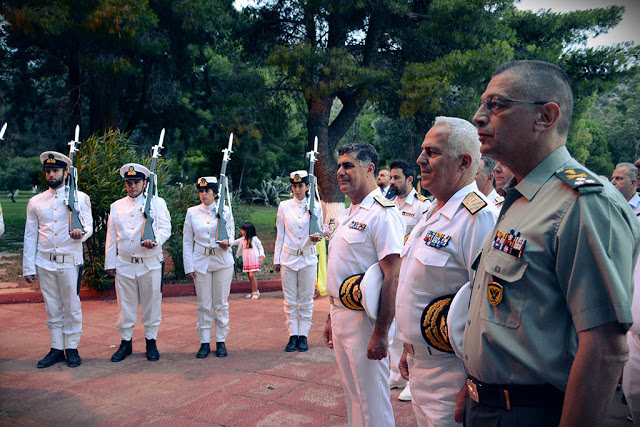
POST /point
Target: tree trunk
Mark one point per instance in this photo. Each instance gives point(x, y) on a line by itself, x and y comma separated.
point(103, 102)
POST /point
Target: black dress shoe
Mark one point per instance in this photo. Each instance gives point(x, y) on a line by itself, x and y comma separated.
point(292, 345)
point(73, 358)
point(152, 350)
point(125, 349)
point(54, 356)
point(221, 350)
point(302, 343)
point(204, 351)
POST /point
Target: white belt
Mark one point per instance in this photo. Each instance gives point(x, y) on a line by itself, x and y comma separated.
point(136, 260)
point(207, 251)
point(57, 258)
point(300, 252)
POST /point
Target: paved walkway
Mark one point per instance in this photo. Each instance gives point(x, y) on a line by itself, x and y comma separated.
point(257, 384)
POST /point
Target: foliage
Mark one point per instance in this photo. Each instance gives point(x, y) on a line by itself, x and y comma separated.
point(20, 174)
point(269, 192)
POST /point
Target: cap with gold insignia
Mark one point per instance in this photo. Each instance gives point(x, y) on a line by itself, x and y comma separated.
point(298, 177)
point(350, 294)
point(53, 159)
point(208, 182)
point(134, 171)
point(370, 288)
point(433, 324)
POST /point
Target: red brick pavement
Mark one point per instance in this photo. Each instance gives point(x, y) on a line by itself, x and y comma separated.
point(258, 384)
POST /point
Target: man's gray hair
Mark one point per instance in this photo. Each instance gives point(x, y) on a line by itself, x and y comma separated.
point(632, 171)
point(488, 164)
point(462, 140)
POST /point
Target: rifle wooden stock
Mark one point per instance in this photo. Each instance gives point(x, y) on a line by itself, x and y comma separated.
point(221, 232)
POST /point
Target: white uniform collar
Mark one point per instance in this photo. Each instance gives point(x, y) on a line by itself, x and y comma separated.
point(455, 202)
point(137, 199)
point(59, 192)
point(368, 199)
point(411, 197)
point(634, 202)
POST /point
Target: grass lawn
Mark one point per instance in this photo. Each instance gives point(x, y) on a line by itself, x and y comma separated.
point(15, 215)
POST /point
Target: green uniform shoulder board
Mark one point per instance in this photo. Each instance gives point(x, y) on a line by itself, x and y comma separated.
point(576, 177)
point(420, 197)
point(383, 201)
point(473, 202)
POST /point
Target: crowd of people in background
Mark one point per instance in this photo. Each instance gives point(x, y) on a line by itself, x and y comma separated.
point(503, 298)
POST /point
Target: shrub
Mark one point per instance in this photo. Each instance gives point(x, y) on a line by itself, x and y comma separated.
point(269, 192)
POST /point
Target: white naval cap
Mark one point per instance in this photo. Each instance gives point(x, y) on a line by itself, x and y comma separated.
point(208, 182)
point(54, 159)
point(134, 171)
point(297, 177)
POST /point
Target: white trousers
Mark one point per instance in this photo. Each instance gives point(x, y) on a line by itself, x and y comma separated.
point(298, 287)
point(396, 348)
point(146, 289)
point(435, 381)
point(62, 305)
point(212, 290)
point(631, 377)
point(364, 381)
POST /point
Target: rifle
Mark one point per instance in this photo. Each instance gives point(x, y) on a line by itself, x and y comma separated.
point(71, 188)
point(313, 221)
point(221, 232)
point(147, 227)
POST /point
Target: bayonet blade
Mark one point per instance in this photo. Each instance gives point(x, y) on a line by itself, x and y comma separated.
point(4, 128)
point(161, 139)
point(77, 134)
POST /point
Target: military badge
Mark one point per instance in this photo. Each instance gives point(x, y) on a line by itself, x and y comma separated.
point(350, 294)
point(408, 214)
point(383, 201)
point(436, 240)
point(510, 243)
point(296, 178)
point(51, 159)
point(575, 178)
point(433, 323)
point(494, 292)
point(473, 202)
point(357, 225)
point(203, 182)
point(131, 171)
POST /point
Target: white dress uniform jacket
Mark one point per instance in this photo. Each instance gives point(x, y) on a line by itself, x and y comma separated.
point(199, 236)
point(365, 233)
point(46, 231)
point(1, 222)
point(630, 383)
point(293, 234)
point(124, 231)
point(296, 254)
point(54, 255)
point(426, 274)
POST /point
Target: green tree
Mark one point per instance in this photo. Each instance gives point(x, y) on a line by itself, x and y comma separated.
point(20, 174)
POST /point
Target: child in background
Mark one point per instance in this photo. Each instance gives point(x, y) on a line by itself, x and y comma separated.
point(252, 255)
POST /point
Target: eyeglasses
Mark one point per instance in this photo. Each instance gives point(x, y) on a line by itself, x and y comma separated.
point(494, 104)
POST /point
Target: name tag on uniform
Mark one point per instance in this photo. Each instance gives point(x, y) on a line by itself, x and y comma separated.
point(510, 243)
point(408, 214)
point(436, 240)
point(357, 225)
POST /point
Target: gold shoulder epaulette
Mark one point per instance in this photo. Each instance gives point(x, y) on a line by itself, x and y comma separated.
point(420, 197)
point(383, 201)
point(473, 202)
point(576, 177)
